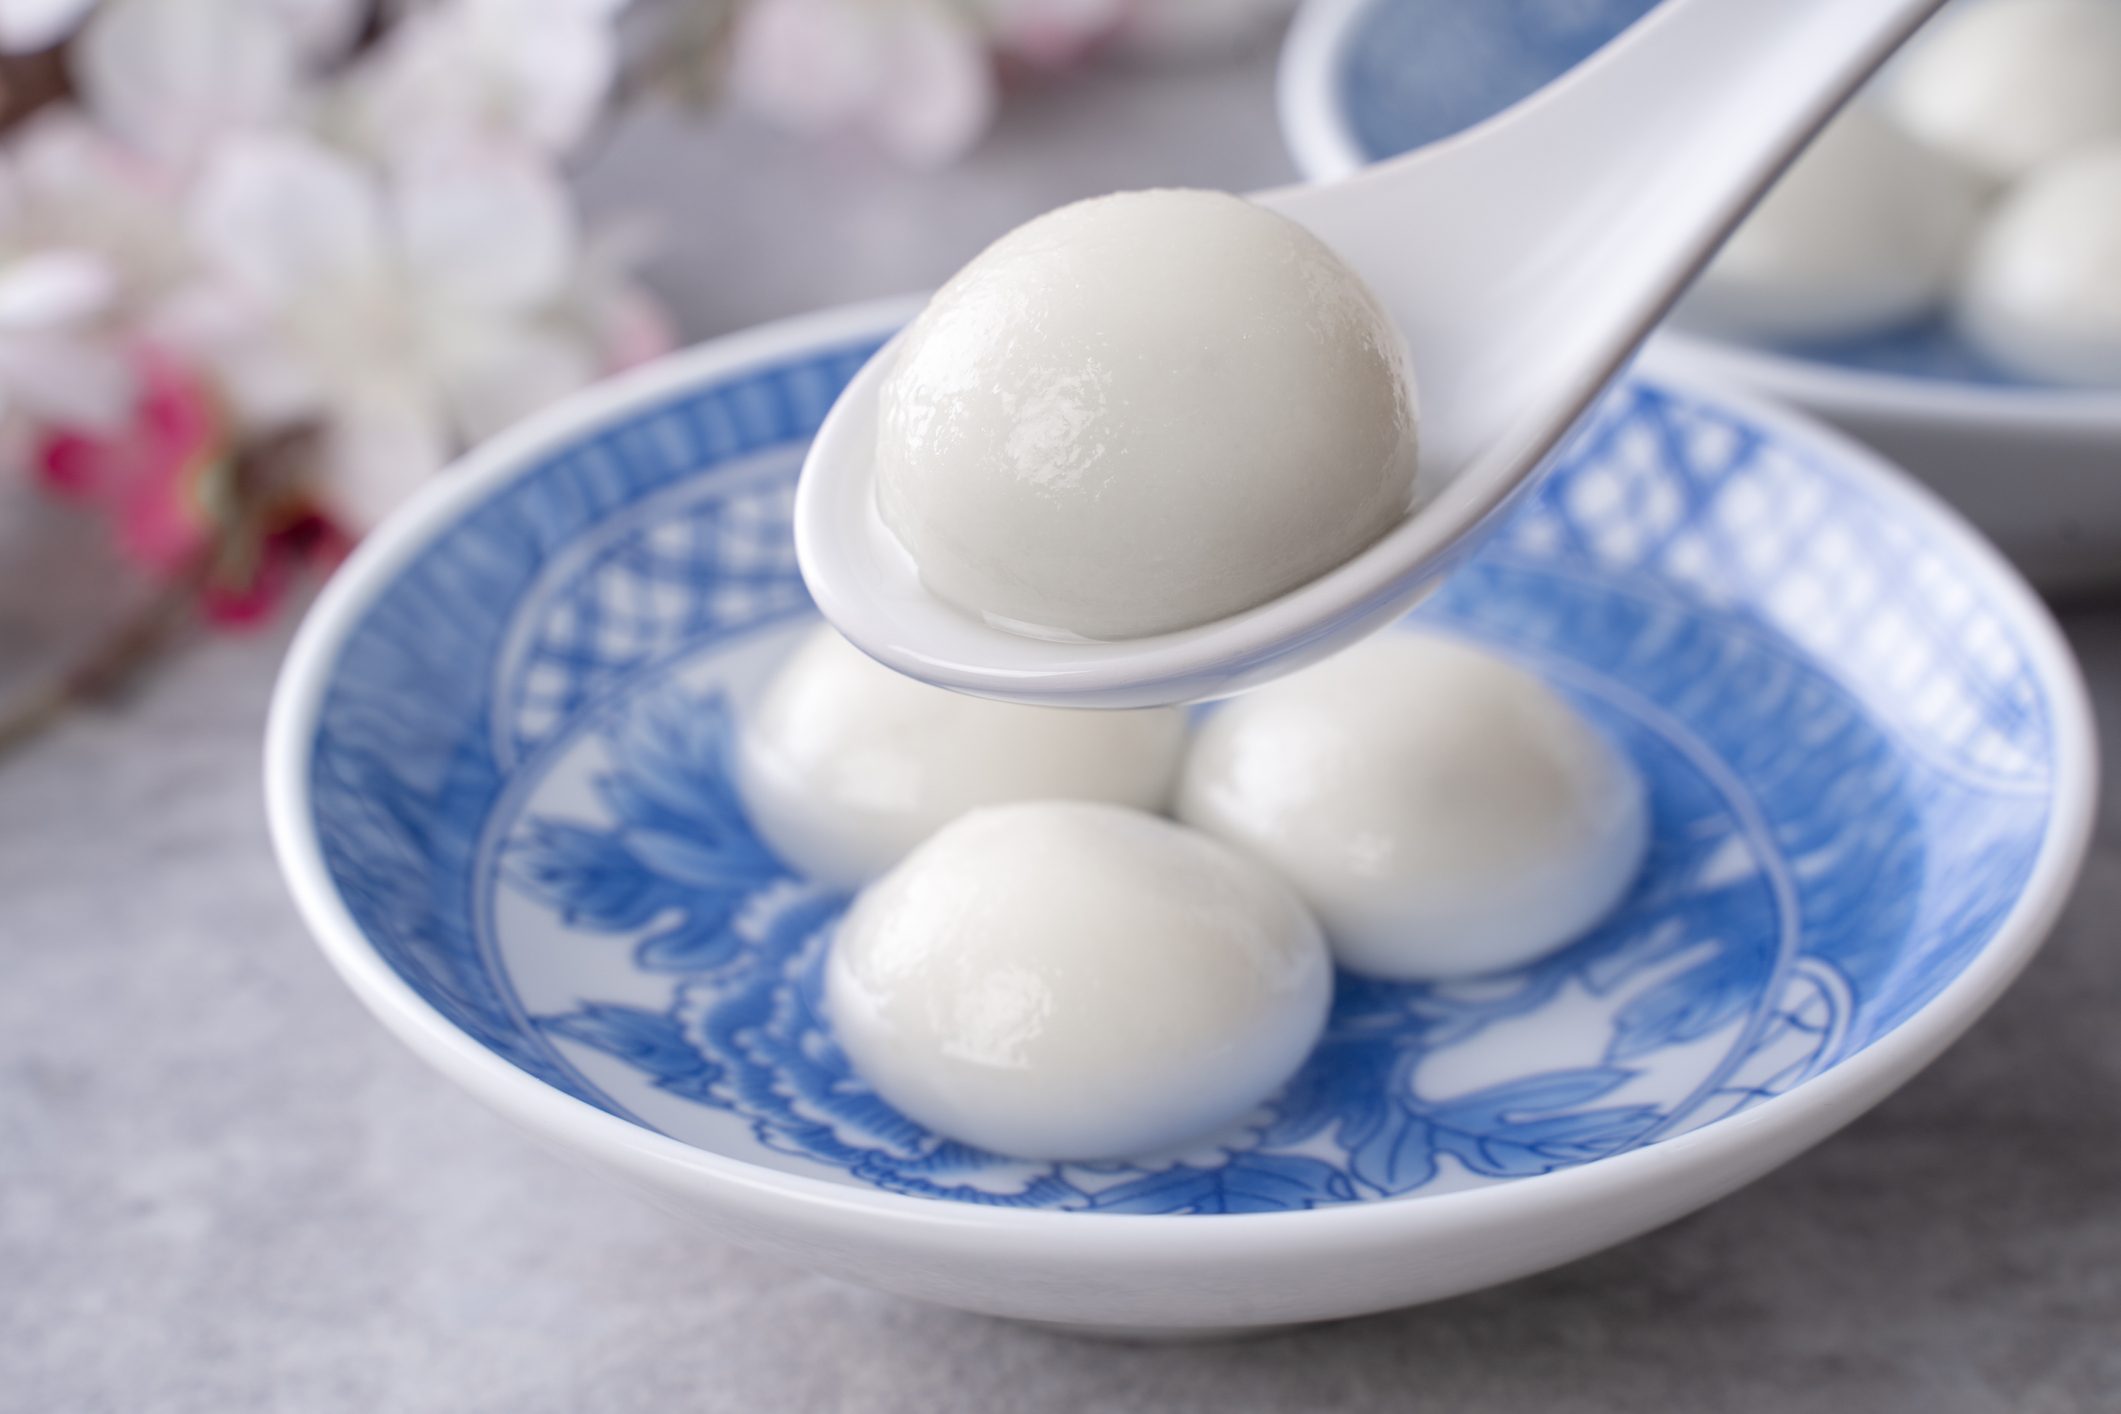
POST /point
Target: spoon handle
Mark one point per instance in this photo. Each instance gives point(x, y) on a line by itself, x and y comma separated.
point(1616, 184)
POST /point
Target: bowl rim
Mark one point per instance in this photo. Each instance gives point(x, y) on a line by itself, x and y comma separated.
point(1708, 1155)
point(1324, 147)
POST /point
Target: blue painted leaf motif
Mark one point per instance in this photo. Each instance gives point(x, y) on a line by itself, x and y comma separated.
point(1534, 1094)
point(673, 784)
point(640, 806)
point(589, 876)
point(1534, 1125)
point(649, 1041)
point(1663, 939)
point(695, 862)
point(1247, 1183)
point(1342, 1083)
point(1699, 1001)
point(701, 942)
point(1393, 1150)
point(1361, 1090)
point(681, 846)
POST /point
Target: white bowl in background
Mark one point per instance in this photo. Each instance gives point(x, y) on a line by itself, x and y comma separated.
point(2037, 468)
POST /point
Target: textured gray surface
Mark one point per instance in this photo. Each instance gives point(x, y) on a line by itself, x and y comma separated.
point(222, 1188)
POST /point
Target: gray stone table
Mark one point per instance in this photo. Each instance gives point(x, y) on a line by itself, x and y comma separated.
point(224, 1189)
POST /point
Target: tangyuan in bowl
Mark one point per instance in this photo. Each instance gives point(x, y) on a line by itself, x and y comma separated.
point(502, 791)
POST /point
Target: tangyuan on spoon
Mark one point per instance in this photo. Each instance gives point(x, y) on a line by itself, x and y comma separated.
point(1248, 526)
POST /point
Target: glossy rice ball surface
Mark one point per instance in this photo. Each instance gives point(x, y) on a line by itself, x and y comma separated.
point(1144, 412)
point(1071, 981)
point(1444, 812)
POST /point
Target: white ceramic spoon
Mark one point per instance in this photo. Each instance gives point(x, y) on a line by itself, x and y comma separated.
point(1524, 259)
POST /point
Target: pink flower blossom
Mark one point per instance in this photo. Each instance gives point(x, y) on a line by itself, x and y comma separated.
point(246, 594)
point(158, 475)
point(165, 482)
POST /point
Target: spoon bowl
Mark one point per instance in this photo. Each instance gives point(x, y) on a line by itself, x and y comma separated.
point(1525, 260)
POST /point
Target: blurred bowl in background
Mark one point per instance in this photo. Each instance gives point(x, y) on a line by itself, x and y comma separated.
point(499, 787)
point(2036, 467)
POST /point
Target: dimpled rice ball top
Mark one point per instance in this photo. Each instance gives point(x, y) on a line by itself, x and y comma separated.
point(845, 765)
point(1074, 981)
point(1141, 413)
point(1444, 812)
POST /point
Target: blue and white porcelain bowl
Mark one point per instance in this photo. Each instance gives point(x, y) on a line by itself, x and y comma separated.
point(2037, 467)
point(499, 785)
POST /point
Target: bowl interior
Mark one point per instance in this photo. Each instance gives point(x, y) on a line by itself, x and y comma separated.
point(519, 788)
point(1408, 72)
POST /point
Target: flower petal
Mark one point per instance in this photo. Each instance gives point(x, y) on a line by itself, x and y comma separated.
point(380, 446)
point(77, 188)
point(169, 76)
point(910, 73)
point(529, 71)
point(622, 320)
point(941, 94)
point(174, 448)
point(551, 68)
point(67, 379)
point(47, 289)
point(268, 386)
point(484, 228)
point(30, 25)
point(280, 214)
point(913, 73)
point(808, 65)
point(630, 326)
point(497, 373)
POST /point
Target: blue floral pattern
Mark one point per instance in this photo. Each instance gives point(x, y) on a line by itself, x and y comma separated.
point(1414, 71)
point(524, 795)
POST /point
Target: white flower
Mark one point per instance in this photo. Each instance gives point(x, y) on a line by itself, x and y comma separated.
point(402, 316)
point(74, 188)
point(530, 71)
point(914, 75)
point(169, 77)
point(56, 365)
point(27, 26)
point(70, 227)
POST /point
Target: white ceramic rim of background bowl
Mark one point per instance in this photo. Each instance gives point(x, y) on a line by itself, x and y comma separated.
point(1606, 1194)
point(1324, 146)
